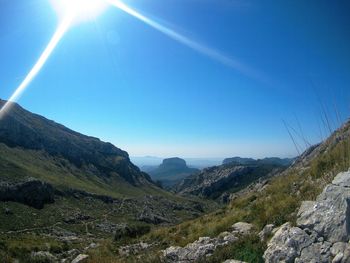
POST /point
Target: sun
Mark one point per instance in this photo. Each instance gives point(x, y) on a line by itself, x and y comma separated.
point(80, 9)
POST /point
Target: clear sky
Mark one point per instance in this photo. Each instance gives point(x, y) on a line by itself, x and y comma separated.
point(120, 80)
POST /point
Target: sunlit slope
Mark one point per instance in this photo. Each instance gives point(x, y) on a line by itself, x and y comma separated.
point(32, 146)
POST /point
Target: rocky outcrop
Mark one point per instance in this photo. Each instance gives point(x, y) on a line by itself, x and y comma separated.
point(134, 249)
point(323, 228)
point(205, 246)
point(32, 193)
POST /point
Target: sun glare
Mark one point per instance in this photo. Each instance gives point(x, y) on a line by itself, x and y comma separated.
point(81, 9)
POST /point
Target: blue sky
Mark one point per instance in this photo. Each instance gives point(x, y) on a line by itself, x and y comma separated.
point(122, 81)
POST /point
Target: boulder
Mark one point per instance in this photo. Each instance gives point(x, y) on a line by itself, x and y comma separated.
point(242, 228)
point(287, 244)
point(328, 215)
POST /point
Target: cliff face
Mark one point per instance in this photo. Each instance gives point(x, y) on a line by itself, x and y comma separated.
point(20, 128)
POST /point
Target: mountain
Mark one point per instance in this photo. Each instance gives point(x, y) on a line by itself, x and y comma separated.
point(268, 160)
point(220, 180)
point(171, 170)
point(25, 136)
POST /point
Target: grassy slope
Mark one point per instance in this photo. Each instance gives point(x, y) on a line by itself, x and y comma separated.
point(17, 163)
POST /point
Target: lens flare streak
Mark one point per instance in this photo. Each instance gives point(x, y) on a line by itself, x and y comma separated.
point(205, 50)
point(61, 30)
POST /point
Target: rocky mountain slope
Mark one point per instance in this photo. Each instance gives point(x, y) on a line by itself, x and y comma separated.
point(225, 179)
point(171, 171)
point(22, 129)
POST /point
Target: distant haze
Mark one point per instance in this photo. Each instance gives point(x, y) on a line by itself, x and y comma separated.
point(191, 162)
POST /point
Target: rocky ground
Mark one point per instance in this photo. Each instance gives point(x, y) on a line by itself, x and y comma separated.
point(322, 229)
point(205, 246)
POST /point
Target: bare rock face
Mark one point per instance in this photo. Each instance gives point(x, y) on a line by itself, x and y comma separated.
point(205, 246)
point(329, 215)
point(323, 229)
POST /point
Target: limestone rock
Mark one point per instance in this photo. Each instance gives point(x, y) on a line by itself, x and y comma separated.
point(316, 253)
point(287, 244)
point(328, 216)
point(322, 232)
point(242, 228)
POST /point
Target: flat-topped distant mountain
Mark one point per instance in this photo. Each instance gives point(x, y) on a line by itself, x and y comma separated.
point(171, 171)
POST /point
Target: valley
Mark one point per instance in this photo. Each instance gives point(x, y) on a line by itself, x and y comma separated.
point(64, 194)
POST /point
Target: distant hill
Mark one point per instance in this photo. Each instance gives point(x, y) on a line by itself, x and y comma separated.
point(238, 160)
point(171, 171)
point(268, 160)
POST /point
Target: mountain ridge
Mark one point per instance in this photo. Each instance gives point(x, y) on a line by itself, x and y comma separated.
point(20, 128)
